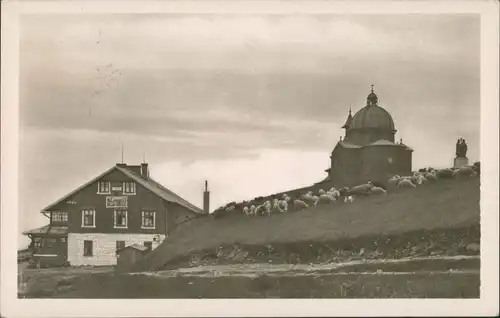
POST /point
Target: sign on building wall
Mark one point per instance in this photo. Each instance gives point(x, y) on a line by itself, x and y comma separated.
point(116, 202)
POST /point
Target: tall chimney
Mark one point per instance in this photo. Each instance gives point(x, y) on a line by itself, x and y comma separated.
point(206, 199)
point(144, 170)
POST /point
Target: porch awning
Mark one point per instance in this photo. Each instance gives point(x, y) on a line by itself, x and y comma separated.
point(48, 230)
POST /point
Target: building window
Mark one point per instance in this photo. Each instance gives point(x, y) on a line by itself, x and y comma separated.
point(120, 218)
point(59, 217)
point(128, 187)
point(37, 243)
point(87, 248)
point(88, 218)
point(119, 245)
point(149, 245)
point(103, 187)
point(148, 219)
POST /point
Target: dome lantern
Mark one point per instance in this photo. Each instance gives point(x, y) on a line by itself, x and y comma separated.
point(372, 99)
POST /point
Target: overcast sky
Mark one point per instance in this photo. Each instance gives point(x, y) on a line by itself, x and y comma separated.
point(254, 104)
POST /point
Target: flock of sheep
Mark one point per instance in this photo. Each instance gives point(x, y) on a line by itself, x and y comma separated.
point(347, 195)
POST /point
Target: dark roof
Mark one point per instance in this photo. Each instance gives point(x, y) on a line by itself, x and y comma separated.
point(382, 142)
point(160, 190)
point(136, 246)
point(372, 116)
point(149, 184)
point(48, 230)
point(348, 121)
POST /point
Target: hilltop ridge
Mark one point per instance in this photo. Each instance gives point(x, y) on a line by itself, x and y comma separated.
point(446, 204)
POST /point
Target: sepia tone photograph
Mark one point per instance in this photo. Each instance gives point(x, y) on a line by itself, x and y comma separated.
point(250, 155)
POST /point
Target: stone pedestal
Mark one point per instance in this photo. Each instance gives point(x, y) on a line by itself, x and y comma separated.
point(459, 162)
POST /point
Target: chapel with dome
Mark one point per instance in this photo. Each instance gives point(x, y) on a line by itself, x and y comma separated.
point(368, 150)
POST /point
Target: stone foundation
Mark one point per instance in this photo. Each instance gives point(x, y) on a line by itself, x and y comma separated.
point(104, 247)
point(460, 162)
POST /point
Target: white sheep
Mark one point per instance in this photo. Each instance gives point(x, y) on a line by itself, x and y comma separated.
point(258, 209)
point(378, 190)
point(430, 175)
point(321, 191)
point(276, 205)
point(230, 208)
point(406, 183)
point(326, 199)
point(246, 210)
point(267, 207)
point(421, 179)
point(394, 181)
point(349, 199)
point(334, 193)
point(252, 210)
point(299, 205)
point(363, 189)
point(283, 206)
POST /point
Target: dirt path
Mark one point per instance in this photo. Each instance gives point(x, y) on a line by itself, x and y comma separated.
point(370, 266)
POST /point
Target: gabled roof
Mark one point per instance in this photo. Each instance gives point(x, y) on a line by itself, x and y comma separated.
point(160, 190)
point(149, 184)
point(48, 230)
point(47, 208)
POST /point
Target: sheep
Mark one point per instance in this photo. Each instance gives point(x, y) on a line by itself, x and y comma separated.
point(477, 167)
point(421, 179)
point(314, 200)
point(246, 210)
point(259, 210)
point(406, 183)
point(283, 206)
point(414, 179)
point(308, 198)
point(394, 181)
point(431, 176)
point(276, 205)
point(345, 191)
point(299, 205)
point(230, 208)
point(444, 173)
point(378, 184)
point(321, 191)
point(464, 172)
point(327, 199)
point(252, 210)
point(334, 194)
point(378, 190)
point(363, 189)
point(267, 207)
point(349, 199)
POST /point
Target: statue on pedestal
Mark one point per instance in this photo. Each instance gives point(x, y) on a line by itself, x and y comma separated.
point(461, 148)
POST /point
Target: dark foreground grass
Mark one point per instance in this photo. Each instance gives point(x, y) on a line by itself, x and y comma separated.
point(425, 285)
point(446, 204)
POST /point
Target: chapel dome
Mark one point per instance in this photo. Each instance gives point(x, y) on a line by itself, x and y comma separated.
point(372, 116)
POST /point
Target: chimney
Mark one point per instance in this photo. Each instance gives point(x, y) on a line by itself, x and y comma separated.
point(144, 170)
point(206, 199)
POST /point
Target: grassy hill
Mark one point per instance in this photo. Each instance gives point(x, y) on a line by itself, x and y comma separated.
point(446, 204)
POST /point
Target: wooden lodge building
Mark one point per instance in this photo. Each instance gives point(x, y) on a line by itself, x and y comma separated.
point(368, 150)
point(123, 206)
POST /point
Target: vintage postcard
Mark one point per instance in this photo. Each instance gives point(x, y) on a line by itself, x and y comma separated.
point(249, 158)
